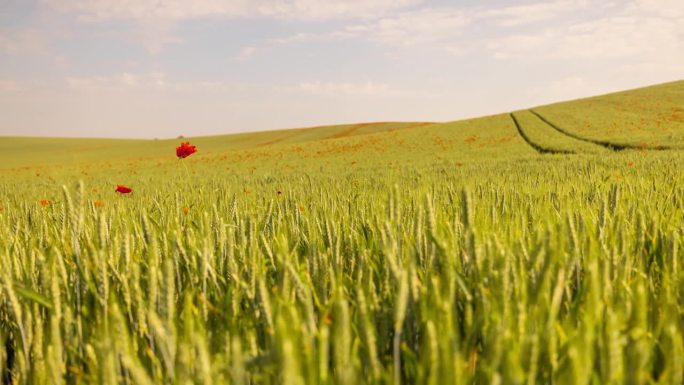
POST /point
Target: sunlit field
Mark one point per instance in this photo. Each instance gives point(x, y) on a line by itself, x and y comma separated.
point(486, 251)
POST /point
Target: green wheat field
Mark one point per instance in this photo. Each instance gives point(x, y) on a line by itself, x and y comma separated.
point(543, 246)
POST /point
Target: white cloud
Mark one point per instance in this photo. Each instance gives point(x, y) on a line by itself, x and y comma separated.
point(410, 28)
point(156, 19)
point(425, 27)
point(518, 44)
point(345, 88)
point(444, 27)
point(176, 10)
point(170, 10)
point(639, 32)
point(117, 82)
point(646, 72)
point(8, 86)
point(358, 89)
point(572, 87)
point(246, 53)
point(22, 41)
point(627, 34)
point(138, 82)
point(329, 9)
point(570, 29)
point(623, 36)
point(528, 13)
point(154, 36)
point(671, 9)
point(560, 89)
point(304, 37)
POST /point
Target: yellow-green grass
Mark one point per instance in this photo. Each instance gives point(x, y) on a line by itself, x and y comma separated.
point(646, 117)
point(25, 151)
point(456, 142)
point(338, 147)
point(549, 139)
point(650, 116)
point(386, 253)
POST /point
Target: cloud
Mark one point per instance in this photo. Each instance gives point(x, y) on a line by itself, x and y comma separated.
point(9, 86)
point(572, 87)
point(425, 27)
point(345, 88)
point(522, 44)
point(449, 27)
point(329, 9)
point(562, 29)
point(622, 36)
point(246, 53)
point(124, 80)
point(22, 41)
point(138, 82)
point(177, 10)
point(154, 36)
point(170, 10)
point(155, 20)
point(517, 15)
point(367, 88)
point(632, 32)
point(411, 28)
point(671, 9)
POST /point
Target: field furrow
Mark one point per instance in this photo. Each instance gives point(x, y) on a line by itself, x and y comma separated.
point(649, 118)
point(610, 145)
point(536, 139)
point(547, 136)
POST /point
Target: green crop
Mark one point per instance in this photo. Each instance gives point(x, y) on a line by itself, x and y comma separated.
point(404, 253)
point(648, 117)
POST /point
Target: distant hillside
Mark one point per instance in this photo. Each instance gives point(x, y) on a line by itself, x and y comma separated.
point(650, 118)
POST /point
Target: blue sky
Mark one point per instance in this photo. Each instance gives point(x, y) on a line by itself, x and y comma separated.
point(155, 68)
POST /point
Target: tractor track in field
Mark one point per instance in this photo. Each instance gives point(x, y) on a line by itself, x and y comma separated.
point(604, 143)
point(539, 148)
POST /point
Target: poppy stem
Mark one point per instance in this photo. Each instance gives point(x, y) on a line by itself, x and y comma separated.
point(185, 166)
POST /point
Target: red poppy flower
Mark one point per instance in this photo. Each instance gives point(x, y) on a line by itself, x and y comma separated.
point(44, 202)
point(123, 189)
point(185, 150)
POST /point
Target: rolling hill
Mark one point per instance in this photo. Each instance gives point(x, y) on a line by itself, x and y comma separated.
point(539, 246)
point(647, 118)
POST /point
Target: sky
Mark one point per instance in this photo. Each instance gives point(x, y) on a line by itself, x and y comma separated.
point(165, 68)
